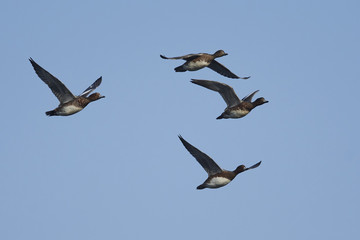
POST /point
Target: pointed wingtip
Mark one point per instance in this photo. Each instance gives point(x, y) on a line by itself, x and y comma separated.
point(197, 81)
point(163, 57)
point(97, 82)
point(183, 141)
point(180, 137)
point(255, 165)
point(236, 77)
point(32, 61)
point(34, 64)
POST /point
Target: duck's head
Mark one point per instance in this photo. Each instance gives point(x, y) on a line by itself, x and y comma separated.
point(260, 101)
point(219, 53)
point(95, 96)
point(240, 169)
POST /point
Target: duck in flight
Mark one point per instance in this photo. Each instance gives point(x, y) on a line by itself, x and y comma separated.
point(217, 177)
point(69, 104)
point(198, 61)
point(236, 108)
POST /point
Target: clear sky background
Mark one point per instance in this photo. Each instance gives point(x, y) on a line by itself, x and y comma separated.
point(117, 170)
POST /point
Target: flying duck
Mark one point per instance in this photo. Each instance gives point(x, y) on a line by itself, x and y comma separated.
point(198, 61)
point(217, 177)
point(236, 108)
point(69, 104)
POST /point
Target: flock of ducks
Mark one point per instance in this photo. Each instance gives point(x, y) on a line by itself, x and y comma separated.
point(236, 108)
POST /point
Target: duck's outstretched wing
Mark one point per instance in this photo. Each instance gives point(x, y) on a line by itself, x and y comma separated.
point(226, 92)
point(221, 69)
point(253, 166)
point(205, 161)
point(91, 87)
point(57, 87)
point(249, 97)
point(185, 57)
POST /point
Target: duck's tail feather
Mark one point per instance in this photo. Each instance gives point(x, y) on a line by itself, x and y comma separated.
point(220, 117)
point(180, 69)
point(51, 113)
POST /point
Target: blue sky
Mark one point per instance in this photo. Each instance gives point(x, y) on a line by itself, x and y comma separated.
point(117, 170)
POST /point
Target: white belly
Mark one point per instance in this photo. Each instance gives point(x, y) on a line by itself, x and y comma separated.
point(68, 110)
point(237, 113)
point(218, 182)
point(193, 66)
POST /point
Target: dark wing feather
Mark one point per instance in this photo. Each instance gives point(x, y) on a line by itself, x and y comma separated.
point(253, 166)
point(227, 92)
point(56, 86)
point(91, 87)
point(185, 57)
point(205, 161)
point(221, 69)
point(249, 97)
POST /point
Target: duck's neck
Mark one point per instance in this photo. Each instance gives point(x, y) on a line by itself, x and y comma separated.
point(237, 171)
point(215, 55)
point(240, 169)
